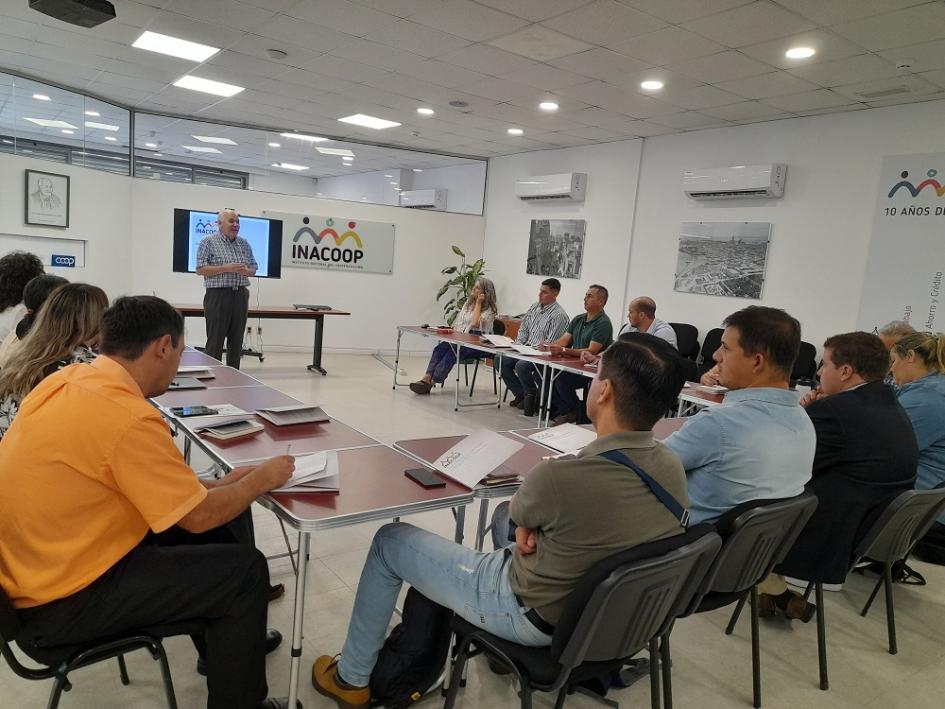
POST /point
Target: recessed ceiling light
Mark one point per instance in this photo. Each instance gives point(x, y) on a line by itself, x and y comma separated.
point(319, 194)
point(111, 138)
point(212, 139)
point(399, 189)
point(418, 169)
point(174, 47)
point(289, 166)
point(101, 126)
point(548, 106)
point(93, 114)
point(346, 159)
point(335, 151)
point(47, 123)
point(302, 136)
point(800, 52)
point(274, 145)
point(515, 131)
point(68, 132)
point(425, 111)
point(364, 199)
point(207, 86)
point(392, 182)
point(41, 97)
point(159, 155)
point(388, 176)
point(360, 119)
point(150, 145)
point(199, 149)
point(652, 85)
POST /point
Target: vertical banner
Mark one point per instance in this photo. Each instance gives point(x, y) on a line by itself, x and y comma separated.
point(907, 252)
point(335, 243)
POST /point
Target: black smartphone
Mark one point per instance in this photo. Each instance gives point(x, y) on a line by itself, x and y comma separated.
point(425, 478)
point(185, 411)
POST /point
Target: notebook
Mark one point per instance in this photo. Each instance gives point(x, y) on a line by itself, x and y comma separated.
point(293, 414)
point(235, 429)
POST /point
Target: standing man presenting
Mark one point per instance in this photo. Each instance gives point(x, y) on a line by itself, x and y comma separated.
point(226, 261)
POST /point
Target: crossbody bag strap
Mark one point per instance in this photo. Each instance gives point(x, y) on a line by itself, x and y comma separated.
point(670, 502)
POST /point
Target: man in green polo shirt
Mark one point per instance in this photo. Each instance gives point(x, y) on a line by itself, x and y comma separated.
point(592, 332)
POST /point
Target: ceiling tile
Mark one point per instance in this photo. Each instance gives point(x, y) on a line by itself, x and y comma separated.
point(501, 89)
point(226, 12)
point(596, 134)
point(409, 36)
point(836, 11)
point(486, 60)
point(400, 8)
point(256, 46)
point(921, 57)
point(835, 109)
point(847, 71)
point(176, 25)
point(347, 69)
point(540, 43)
point(307, 35)
point(897, 29)
point(649, 129)
point(669, 45)
point(677, 11)
point(724, 66)
point(465, 18)
point(343, 16)
point(747, 111)
point(896, 87)
point(604, 22)
point(829, 46)
point(444, 74)
point(601, 64)
point(750, 24)
point(777, 83)
point(598, 117)
point(698, 98)
point(900, 101)
point(378, 55)
point(808, 101)
point(547, 78)
point(936, 77)
point(638, 106)
point(690, 120)
point(245, 63)
point(535, 10)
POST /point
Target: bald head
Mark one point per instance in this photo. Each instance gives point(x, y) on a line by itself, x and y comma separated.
point(641, 312)
point(229, 222)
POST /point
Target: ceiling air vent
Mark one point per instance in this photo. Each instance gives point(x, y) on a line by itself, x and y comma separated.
point(884, 93)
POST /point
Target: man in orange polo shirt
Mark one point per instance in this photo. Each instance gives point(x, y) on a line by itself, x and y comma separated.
point(90, 484)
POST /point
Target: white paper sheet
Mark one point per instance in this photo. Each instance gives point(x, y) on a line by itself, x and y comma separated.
point(498, 340)
point(474, 457)
point(565, 438)
point(313, 471)
point(196, 371)
point(530, 351)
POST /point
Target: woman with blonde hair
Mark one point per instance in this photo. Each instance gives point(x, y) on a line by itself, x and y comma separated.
point(477, 316)
point(66, 332)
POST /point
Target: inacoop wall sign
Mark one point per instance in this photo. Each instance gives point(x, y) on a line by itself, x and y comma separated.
point(335, 243)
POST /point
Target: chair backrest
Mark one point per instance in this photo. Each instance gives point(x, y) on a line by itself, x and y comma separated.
point(756, 536)
point(711, 342)
point(628, 598)
point(498, 327)
point(687, 339)
point(9, 623)
point(805, 366)
point(901, 525)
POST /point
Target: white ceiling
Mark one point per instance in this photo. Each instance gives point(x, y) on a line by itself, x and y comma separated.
point(722, 62)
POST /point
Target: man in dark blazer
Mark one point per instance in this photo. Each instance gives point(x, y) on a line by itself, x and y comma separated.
point(866, 455)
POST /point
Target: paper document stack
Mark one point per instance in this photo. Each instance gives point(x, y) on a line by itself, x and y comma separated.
point(565, 438)
point(474, 457)
point(293, 414)
point(708, 388)
point(233, 429)
point(196, 371)
point(317, 472)
point(497, 340)
point(225, 413)
point(530, 351)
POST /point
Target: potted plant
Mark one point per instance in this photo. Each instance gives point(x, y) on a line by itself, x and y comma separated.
point(463, 278)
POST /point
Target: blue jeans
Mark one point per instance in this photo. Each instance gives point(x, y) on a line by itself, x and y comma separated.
point(565, 398)
point(473, 584)
point(443, 358)
point(521, 377)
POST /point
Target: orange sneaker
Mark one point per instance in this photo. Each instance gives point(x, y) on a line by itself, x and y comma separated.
point(326, 682)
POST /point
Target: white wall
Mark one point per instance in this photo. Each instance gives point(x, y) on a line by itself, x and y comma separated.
point(611, 191)
point(281, 183)
point(372, 187)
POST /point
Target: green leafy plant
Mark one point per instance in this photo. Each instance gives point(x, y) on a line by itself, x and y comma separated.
point(459, 286)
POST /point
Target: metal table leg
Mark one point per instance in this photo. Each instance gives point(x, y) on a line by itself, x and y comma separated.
point(400, 335)
point(483, 522)
point(300, 580)
point(316, 365)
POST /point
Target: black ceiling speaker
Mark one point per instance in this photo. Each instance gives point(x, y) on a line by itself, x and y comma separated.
point(85, 13)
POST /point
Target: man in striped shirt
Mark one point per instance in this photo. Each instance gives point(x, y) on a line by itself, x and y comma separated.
point(545, 321)
point(226, 261)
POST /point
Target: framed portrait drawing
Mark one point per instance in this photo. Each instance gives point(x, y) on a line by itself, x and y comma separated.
point(47, 199)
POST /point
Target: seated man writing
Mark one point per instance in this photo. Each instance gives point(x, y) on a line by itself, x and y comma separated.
point(758, 443)
point(560, 515)
point(91, 488)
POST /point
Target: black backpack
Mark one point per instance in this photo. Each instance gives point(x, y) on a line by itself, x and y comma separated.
point(414, 653)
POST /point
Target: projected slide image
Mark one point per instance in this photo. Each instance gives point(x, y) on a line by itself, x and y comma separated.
point(255, 231)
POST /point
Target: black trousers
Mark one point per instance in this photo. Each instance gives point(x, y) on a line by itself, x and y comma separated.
point(168, 579)
point(225, 315)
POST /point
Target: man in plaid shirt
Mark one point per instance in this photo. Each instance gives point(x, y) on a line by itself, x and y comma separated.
point(226, 261)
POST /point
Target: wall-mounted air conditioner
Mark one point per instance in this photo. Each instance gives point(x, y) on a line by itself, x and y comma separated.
point(424, 199)
point(567, 185)
point(737, 182)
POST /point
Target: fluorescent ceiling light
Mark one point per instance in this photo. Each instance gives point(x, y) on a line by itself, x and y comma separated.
point(393, 183)
point(800, 52)
point(335, 151)
point(159, 155)
point(111, 138)
point(389, 176)
point(515, 131)
point(41, 97)
point(289, 166)
point(302, 136)
point(150, 145)
point(68, 132)
point(425, 111)
point(207, 86)
point(274, 145)
point(417, 169)
point(652, 85)
point(101, 126)
point(213, 139)
point(93, 114)
point(548, 106)
point(360, 119)
point(199, 149)
point(46, 123)
point(174, 47)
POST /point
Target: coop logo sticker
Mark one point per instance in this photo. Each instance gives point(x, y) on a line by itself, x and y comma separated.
point(327, 246)
point(63, 260)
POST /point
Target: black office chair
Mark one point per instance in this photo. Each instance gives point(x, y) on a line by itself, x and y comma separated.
point(498, 328)
point(687, 340)
point(756, 535)
point(60, 661)
point(620, 607)
point(712, 341)
point(805, 366)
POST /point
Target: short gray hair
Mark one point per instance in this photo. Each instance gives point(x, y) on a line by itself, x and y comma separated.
point(896, 328)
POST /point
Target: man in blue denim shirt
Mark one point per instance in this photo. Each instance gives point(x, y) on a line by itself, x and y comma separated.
point(759, 443)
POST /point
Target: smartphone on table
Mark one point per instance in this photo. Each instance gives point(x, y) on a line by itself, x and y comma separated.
point(185, 411)
point(425, 478)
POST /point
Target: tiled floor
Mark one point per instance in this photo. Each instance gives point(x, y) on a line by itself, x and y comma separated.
point(710, 670)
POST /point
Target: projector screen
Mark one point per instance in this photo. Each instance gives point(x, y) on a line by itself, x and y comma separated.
point(264, 237)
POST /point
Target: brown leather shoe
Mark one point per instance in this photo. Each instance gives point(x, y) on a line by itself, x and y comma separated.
point(326, 682)
point(421, 387)
point(276, 591)
point(564, 418)
point(794, 608)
